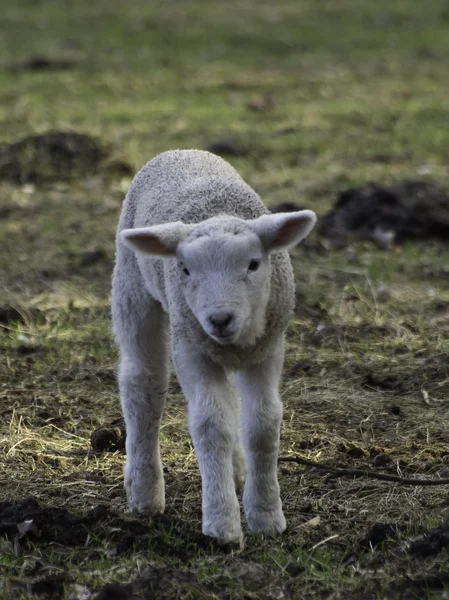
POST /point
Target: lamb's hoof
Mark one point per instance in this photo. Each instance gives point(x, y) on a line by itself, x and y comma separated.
point(145, 507)
point(145, 498)
point(227, 536)
point(267, 523)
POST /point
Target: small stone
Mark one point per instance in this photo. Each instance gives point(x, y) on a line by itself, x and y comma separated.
point(383, 238)
point(28, 188)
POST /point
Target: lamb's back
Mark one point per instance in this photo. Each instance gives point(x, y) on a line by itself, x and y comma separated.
point(190, 186)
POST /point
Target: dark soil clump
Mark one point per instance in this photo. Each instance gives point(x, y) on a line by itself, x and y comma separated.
point(108, 439)
point(222, 148)
point(48, 524)
point(27, 520)
point(431, 543)
point(56, 156)
point(93, 257)
point(9, 314)
point(378, 535)
point(50, 587)
point(383, 381)
point(407, 210)
point(42, 63)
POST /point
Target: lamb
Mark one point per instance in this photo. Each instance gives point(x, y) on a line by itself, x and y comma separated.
point(203, 268)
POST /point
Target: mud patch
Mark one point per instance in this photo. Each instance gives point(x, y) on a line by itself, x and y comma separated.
point(407, 210)
point(57, 156)
point(26, 521)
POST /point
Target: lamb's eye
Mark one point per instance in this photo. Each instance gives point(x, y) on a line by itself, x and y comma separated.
point(186, 271)
point(253, 265)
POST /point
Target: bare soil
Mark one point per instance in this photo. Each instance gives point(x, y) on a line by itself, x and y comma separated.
point(57, 156)
point(409, 209)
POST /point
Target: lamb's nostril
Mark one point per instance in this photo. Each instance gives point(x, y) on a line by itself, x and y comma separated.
point(220, 319)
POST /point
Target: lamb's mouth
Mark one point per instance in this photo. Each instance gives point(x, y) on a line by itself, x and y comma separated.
point(224, 340)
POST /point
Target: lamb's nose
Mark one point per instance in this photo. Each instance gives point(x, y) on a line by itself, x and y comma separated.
point(220, 319)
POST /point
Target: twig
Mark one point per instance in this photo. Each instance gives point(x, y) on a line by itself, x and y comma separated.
point(362, 472)
point(332, 537)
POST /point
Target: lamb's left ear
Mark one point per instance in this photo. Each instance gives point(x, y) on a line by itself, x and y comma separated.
point(161, 240)
point(281, 231)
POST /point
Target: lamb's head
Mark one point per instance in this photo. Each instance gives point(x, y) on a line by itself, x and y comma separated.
point(224, 266)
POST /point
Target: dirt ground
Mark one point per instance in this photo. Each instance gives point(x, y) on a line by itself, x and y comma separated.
point(316, 103)
point(365, 387)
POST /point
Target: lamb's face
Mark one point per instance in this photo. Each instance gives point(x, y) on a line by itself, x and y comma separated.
point(224, 266)
point(226, 283)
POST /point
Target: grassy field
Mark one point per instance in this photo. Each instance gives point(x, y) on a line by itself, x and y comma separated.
point(315, 96)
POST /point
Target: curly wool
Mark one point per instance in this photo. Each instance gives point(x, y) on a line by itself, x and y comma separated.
point(192, 186)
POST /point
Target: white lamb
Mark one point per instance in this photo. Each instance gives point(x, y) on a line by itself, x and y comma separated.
point(202, 266)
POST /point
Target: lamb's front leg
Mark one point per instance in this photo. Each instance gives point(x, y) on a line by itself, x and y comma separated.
point(143, 400)
point(261, 420)
point(213, 423)
point(142, 333)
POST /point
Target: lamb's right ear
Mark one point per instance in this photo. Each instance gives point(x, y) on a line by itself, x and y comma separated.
point(282, 231)
point(161, 240)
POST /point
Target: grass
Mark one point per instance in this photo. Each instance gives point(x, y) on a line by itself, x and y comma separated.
point(319, 96)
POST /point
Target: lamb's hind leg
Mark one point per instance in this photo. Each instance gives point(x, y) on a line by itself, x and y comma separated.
point(141, 332)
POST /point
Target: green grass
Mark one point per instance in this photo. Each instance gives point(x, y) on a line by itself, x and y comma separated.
point(321, 96)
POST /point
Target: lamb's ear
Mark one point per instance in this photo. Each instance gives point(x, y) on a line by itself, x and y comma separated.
point(161, 240)
point(284, 230)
